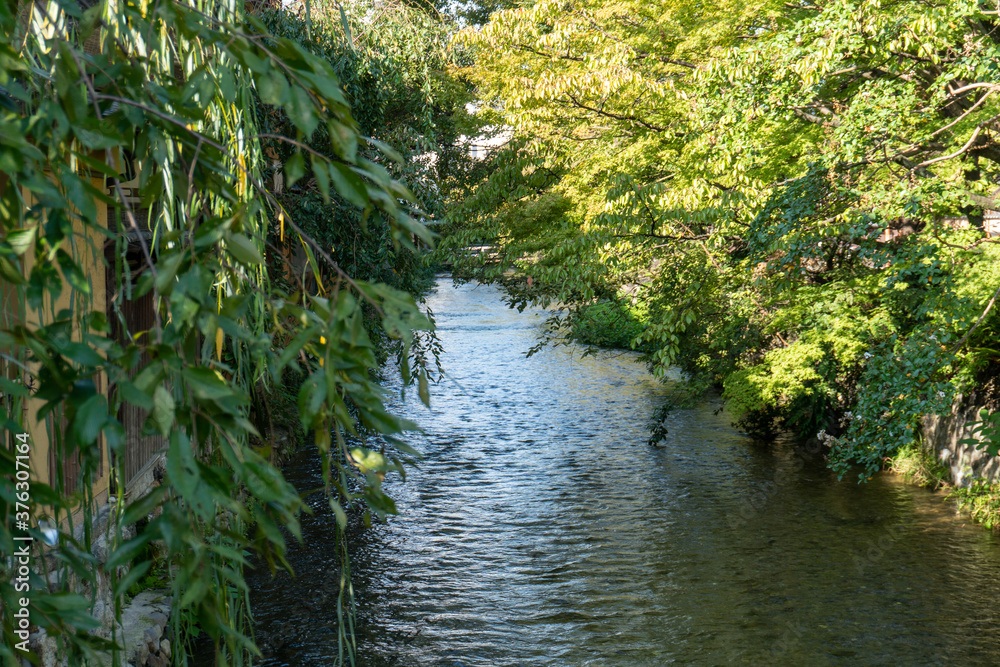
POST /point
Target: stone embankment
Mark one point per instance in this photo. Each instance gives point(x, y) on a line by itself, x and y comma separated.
point(942, 436)
point(142, 633)
point(144, 630)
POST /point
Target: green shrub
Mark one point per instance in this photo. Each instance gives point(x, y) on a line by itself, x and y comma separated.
point(607, 324)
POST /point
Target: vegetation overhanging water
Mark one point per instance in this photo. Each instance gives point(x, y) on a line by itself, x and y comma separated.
point(540, 529)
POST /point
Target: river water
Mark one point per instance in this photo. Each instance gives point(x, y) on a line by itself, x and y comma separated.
point(540, 529)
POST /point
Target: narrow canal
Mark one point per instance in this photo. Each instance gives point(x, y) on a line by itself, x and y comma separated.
point(540, 529)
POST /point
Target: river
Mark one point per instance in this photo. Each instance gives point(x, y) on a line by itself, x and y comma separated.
point(540, 529)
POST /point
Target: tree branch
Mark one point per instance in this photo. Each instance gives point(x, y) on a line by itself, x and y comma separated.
point(982, 317)
point(623, 117)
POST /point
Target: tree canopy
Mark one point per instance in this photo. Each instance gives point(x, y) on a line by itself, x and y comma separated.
point(790, 195)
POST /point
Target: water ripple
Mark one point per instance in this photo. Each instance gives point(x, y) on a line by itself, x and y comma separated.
point(539, 529)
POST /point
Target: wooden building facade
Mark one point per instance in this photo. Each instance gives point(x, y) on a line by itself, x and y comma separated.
point(129, 318)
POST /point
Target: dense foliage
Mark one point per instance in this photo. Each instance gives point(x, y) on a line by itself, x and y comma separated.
point(205, 104)
point(793, 194)
point(393, 64)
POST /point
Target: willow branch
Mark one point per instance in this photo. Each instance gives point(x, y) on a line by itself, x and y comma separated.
point(256, 185)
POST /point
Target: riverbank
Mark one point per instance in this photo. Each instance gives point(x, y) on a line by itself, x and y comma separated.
point(952, 451)
point(944, 457)
point(539, 529)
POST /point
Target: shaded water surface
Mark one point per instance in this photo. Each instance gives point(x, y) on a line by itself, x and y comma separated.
point(540, 529)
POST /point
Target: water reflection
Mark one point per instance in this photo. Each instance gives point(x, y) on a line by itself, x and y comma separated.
point(541, 530)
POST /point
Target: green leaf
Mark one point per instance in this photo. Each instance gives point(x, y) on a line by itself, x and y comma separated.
point(127, 551)
point(302, 111)
point(21, 239)
point(367, 460)
point(346, 25)
point(312, 394)
point(349, 185)
point(339, 512)
point(295, 168)
point(163, 410)
point(137, 572)
point(344, 139)
point(10, 272)
point(95, 140)
point(381, 503)
point(265, 481)
point(206, 384)
point(402, 447)
point(166, 271)
point(139, 397)
point(273, 88)
point(250, 59)
point(181, 468)
point(13, 388)
point(144, 506)
point(90, 418)
point(195, 590)
point(386, 150)
point(423, 390)
point(267, 527)
point(227, 83)
point(73, 273)
point(82, 354)
point(322, 178)
point(243, 249)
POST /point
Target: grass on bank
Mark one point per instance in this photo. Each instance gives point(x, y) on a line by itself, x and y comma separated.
point(918, 467)
point(981, 500)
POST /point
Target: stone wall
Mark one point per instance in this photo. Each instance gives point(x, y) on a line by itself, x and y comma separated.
point(142, 634)
point(942, 435)
point(143, 631)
